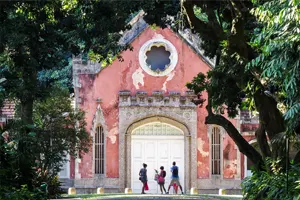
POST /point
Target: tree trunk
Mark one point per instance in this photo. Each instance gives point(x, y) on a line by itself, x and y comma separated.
point(272, 120)
point(26, 155)
point(26, 110)
point(262, 141)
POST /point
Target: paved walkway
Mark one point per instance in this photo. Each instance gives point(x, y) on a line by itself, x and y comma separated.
point(163, 197)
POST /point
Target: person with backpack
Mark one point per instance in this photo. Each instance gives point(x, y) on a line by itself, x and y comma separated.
point(174, 178)
point(161, 179)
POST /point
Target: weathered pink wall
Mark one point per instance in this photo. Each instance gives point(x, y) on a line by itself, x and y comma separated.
point(229, 158)
point(203, 161)
point(230, 152)
point(119, 76)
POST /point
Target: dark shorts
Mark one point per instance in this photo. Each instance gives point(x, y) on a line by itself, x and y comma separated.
point(143, 179)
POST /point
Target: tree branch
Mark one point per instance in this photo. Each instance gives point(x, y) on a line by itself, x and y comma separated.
point(243, 145)
point(237, 40)
point(212, 29)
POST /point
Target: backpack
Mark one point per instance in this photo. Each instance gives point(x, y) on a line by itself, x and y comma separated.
point(175, 171)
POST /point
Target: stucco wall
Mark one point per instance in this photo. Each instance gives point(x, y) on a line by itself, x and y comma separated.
point(128, 75)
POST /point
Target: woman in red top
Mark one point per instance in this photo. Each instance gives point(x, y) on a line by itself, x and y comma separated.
point(161, 179)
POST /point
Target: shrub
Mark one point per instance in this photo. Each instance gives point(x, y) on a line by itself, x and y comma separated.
point(22, 194)
point(54, 189)
point(271, 184)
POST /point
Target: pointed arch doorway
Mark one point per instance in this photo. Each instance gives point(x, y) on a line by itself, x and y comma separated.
point(171, 116)
point(156, 144)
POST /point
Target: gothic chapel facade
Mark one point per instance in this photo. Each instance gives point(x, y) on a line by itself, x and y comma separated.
point(140, 111)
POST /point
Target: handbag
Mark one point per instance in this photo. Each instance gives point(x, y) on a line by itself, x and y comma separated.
point(146, 186)
point(161, 179)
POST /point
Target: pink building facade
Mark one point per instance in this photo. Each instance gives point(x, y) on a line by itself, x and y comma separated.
point(139, 110)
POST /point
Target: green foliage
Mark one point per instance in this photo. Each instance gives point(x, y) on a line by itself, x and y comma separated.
point(278, 42)
point(21, 194)
point(58, 130)
point(270, 185)
point(54, 188)
point(199, 14)
point(37, 40)
point(59, 125)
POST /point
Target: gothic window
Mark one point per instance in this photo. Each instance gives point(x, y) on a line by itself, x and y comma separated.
point(99, 150)
point(216, 151)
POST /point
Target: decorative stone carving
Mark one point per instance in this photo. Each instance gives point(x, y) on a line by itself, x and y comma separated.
point(124, 93)
point(128, 114)
point(174, 93)
point(187, 115)
point(141, 93)
point(156, 99)
point(169, 112)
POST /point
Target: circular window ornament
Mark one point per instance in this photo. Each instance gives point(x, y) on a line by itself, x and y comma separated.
point(158, 57)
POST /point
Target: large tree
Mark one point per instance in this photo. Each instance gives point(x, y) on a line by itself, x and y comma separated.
point(37, 40)
point(37, 36)
point(227, 30)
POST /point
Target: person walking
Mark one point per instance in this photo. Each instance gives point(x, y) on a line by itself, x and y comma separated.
point(174, 178)
point(143, 177)
point(161, 179)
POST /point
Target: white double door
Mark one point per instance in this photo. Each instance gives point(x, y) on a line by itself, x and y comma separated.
point(156, 151)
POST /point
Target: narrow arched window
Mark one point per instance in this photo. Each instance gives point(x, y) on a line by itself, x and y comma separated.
point(216, 151)
point(99, 150)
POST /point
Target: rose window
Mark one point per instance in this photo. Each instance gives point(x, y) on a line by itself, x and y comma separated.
point(158, 57)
